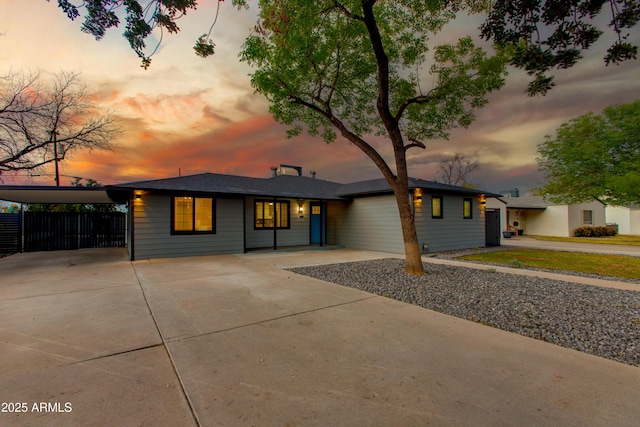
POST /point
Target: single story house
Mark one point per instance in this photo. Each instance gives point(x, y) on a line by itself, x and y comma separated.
point(627, 218)
point(210, 213)
point(536, 216)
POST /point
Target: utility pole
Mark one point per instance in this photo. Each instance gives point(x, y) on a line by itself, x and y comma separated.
point(54, 135)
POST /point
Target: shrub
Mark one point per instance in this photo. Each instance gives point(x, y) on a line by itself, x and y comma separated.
point(583, 232)
point(599, 231)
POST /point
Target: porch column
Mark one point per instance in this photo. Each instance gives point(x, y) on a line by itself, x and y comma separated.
point(275, 224)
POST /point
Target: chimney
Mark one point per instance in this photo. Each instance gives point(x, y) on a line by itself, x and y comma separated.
point(313, 174)
point(274, 171)
point(296, 168)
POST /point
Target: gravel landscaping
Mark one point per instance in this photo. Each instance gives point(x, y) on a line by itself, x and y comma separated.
point(600, 321)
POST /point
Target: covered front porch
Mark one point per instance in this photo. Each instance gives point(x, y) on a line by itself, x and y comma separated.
point(278, 223)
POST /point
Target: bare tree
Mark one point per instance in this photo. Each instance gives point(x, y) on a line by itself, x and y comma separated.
point(44, 121)
point(455, 170)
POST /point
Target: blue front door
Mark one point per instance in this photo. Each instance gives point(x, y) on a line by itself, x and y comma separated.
point(318, 223)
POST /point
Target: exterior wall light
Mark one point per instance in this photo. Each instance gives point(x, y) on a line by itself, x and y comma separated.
point(417, 196)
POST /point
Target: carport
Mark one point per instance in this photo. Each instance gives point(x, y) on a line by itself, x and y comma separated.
point(36, 231)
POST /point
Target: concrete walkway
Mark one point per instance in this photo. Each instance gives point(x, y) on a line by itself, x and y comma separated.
point(598, 248)
point(88, 338)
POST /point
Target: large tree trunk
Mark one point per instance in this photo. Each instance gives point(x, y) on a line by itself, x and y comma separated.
point(400, 182)
point(413, 259)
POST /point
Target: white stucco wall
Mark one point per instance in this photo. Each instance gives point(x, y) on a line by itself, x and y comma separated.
point(628, 219)
point(552, 221)
point(576, 217)
point(634, 221)
point(555, 220)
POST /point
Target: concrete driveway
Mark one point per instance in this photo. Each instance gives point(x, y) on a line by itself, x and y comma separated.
point(89, 338)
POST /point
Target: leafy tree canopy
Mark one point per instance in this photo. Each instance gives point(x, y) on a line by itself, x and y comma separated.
point(553, 33)
point(316, 63)
point(365, 68)
point(141, 17)
point(547, 33)
point(594, 156)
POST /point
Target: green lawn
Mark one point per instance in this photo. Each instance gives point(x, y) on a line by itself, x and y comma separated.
point(605, 265)
point(620, 239)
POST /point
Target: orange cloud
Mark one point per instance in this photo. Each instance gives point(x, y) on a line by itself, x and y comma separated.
point(248, 147)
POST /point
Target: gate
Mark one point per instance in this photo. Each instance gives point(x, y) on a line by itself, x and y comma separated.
point(10, 227)
point(52, 231)
point(492, 227)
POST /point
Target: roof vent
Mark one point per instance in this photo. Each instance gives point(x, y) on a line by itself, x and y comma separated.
point(274, 171)
point(313, 174)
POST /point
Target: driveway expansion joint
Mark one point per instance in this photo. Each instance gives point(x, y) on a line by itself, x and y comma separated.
point(68, 292)
point(104, 356)
point(233, 328)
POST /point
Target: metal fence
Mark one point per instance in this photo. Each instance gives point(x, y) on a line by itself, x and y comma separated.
point(10, 228)
point(51, 231)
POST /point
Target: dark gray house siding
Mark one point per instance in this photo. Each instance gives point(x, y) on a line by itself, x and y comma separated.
point(335, 214)
point(371, 223)
point(361, 215)
point(152, 236)
point(452, 231)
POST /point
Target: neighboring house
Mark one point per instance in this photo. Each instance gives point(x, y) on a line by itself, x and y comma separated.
point(536, 216)
point(627, 218)
point(210, 214)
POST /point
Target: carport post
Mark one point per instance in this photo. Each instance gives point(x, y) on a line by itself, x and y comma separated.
point(21, 242)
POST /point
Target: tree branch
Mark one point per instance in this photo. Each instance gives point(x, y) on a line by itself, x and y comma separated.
point(345, 132)
point(414, 143)
point(422, 99)
point(346, 12)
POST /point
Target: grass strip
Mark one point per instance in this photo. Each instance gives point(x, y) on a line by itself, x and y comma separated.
point(620, 239)
point(605, 265)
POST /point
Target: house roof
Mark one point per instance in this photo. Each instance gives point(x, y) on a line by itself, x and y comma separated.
point(532, 202)
point(291, 186)
point(381, 186)
point(627, 206)
point(527, 202)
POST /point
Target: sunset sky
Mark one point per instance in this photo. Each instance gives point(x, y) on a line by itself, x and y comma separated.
point(191, 115)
